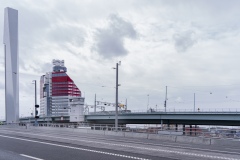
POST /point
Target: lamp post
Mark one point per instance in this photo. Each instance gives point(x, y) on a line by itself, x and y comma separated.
point(95, 103)
point(165, 102)
point(147, 102)
point(194, 103)
point(116, 109)
point(36, 112)
point(35, 83)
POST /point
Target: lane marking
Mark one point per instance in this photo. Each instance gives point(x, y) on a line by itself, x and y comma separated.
point(143, 148)
point(88, 141)
point(126, 139)
point(233, 149)
point(24, 155)
point(70, 147)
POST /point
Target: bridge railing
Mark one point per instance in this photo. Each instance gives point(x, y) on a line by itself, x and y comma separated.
point(197, 131)
point(152, 111)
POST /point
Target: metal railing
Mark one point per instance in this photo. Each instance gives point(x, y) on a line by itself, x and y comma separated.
point(206, 132)
point(169, 111)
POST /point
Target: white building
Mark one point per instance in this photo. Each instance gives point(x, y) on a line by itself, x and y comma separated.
point(10, 40)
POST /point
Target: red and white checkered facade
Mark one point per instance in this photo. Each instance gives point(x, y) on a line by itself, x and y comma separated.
point(56, 88)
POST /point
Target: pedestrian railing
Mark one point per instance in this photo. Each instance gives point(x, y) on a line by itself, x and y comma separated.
point(196, 131)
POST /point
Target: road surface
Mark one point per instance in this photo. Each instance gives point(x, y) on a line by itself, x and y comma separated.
point(41, 144)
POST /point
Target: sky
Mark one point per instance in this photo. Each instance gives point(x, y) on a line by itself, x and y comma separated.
point(189, 46)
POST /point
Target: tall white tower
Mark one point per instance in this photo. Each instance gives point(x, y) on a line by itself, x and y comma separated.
point(10, 40)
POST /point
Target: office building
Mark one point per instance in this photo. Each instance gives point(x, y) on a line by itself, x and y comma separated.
point(56, 90)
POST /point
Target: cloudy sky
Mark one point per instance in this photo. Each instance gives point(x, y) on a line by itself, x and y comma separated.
point(189, 46)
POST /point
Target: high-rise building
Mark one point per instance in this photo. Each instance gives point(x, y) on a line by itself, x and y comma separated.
point(10, 40)
point(56, 90)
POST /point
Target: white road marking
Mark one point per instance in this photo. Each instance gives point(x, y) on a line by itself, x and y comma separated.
point(233, 149)
point(143, 148)
point(24, 155)
point(70, 147)
point(181, 147)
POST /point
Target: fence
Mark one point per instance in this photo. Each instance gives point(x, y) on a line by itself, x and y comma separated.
point(195, 131)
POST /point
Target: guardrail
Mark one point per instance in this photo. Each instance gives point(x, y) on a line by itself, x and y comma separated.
point(169, 111)
point(206, 132)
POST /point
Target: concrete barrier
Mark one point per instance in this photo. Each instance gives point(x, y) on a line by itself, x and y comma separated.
point(112, 133)
point(136, 135)
point(77, 130)
point(194, 140)
point(52, 129)
point(163, 137)
point(226, 142)
point(102, 132)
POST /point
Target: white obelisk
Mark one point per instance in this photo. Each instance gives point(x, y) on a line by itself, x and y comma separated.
point(10, 40)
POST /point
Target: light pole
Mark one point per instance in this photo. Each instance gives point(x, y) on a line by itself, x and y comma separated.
point(194, 103)
point(165, 102)
point(95, 103)
point(36, 106)
point(148, 102)
point(116, 109)
point(35, 83)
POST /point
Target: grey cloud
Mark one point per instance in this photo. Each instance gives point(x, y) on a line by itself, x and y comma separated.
point(67, 34)
point(38, 68)
point(2, 85)
point(22, 64)
point(46, 67)
point(110, 40)
point(184, 40)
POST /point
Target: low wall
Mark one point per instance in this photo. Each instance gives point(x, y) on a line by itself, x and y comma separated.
point(225, 142)
point(136, 135)
point(194, 140)
point(112, 133)
point(161, 137)
point(96, 131)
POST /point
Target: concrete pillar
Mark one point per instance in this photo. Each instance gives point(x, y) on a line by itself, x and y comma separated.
point(161, 124)
point(190, 130)
point(195, 130)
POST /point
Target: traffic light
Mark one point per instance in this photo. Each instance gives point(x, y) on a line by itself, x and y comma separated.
point(36, 111)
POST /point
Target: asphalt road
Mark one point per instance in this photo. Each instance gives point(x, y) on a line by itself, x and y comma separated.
point(40, 144)
point(48, 150)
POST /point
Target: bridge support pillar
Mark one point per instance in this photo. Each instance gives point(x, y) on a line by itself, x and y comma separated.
point(168, 126)
point(195, 130)
point(190, 130)
point(161, 124)
point(183, 129)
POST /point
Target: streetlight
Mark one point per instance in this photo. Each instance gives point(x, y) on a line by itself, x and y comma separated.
point(95, 103)
point(148, 102)
point(35, 83)
point(165, 102)
point(116, 109)
point(36, 106)
point(194, 103)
